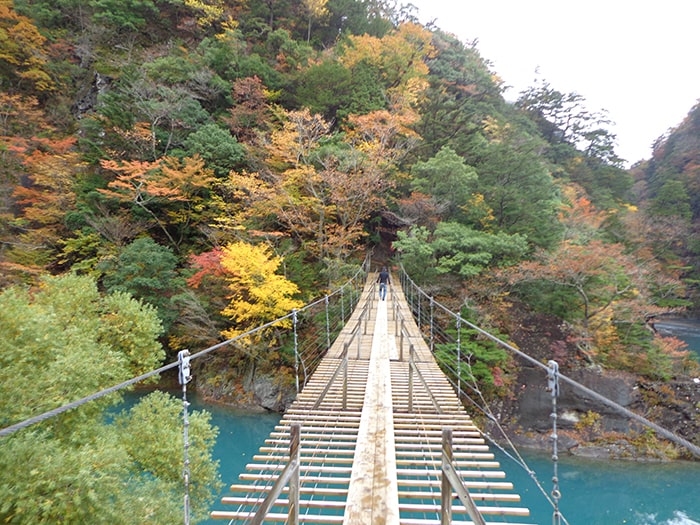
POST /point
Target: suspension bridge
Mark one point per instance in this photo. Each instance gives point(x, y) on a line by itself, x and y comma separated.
point(377, 435)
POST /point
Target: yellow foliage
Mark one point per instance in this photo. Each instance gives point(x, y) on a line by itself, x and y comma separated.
point(478, 209)
point(258, 293)
point(211, 10)
point(399, 56)
point(22, 48)
point(316, 8)
point(495, 130)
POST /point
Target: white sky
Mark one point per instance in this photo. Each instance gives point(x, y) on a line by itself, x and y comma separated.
point(637, 59)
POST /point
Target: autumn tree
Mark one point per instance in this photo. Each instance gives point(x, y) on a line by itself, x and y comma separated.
point(325, 186)
point(200, 322)
point(316, 9)
point(611, 295)
point(23, 57)
point(249, 117)
point(53, 174)
point(399, 58)
point(256, 294)
point(171, 192)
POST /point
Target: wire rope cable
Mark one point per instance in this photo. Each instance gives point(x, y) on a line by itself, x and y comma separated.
point(694, 449)
point(6, 431)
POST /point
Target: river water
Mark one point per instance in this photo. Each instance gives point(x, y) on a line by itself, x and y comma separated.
point(593, 492)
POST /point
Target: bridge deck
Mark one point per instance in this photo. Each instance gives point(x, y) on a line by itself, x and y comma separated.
point(373, 455)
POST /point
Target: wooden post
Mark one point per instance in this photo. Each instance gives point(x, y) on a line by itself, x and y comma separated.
point(450, 481)
point(345, 382)
point(293, 515)
point(289, 476)
point(410, 379)
point(446, 486)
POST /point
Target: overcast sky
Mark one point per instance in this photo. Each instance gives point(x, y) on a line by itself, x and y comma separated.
point(637, 59)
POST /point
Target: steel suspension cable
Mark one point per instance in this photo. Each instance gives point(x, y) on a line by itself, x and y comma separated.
point(694, 449)
point(75, 404)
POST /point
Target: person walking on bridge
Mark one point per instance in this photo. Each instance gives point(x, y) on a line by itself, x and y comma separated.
point(384, 279)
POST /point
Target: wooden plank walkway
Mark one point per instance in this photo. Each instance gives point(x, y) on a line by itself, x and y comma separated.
point(369, 452)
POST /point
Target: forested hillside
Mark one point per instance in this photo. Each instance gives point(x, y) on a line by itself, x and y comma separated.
point(174, 172)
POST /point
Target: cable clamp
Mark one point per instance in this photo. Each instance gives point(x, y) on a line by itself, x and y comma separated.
point(184, 375)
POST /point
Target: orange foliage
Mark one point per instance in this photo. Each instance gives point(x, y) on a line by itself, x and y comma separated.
point(420, 209)
point(170, 190)
point(580, 218)
point(22, 53)
point(250, 113)
point(208, 264)
point(166, 179)
point(52, 171)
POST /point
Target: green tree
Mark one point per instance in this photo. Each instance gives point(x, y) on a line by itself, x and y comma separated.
point(447, 177)
point(456, 249)
point(672, 200)
point(324, 88)
point(123, 15)
point(517, 185)
point(147, 271)
point(69, 341)
point(462, 92)
point(219, 149)
point(152, 447)
point(66, 321)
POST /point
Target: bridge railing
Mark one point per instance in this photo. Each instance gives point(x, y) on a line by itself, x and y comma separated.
point(433, 319)
point(451, 482)
point(321, 322)
point(288, 476)
point(328, 314)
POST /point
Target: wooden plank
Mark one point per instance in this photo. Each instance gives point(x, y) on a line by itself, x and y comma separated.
point(484, 509)
point(303, 468)
point(313, 491)
point(308, 459)
point(373, 492)
point(437, 446)
point(268, 478)
point(436, 463)
point(479, 496)
point(304, 518)
point(475, 484)
point(428, 521)
point(461, 473)
point(303, 503)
